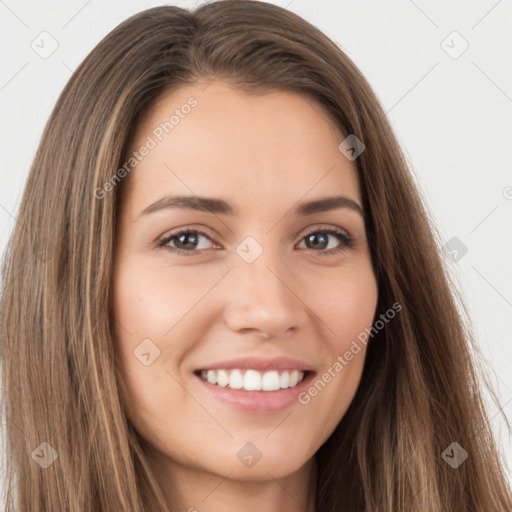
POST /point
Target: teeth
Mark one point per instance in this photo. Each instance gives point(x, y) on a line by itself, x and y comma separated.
point(222, 378)
point(270, 381)
point(236, 381)
point(252, 380)
point(294, 378)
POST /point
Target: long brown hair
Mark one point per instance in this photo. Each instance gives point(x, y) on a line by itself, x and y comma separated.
point(420, 390)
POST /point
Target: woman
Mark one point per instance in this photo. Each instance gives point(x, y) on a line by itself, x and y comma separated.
point(264, 368)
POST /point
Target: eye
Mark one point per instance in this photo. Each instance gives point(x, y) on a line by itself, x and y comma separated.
point(186, 238)
point(185, 242)
point(314, 240)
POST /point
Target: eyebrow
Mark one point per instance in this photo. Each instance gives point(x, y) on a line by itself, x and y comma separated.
point(223, 207)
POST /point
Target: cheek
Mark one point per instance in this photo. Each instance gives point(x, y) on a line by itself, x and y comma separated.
point(157, 303)
point(142, 317)
point(156, 314)
point(345, 306)
point(345, 303)
point(151, 299)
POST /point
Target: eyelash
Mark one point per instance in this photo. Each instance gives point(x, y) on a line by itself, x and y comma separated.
point(347, 241)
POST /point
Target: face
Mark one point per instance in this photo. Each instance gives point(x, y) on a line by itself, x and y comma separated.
point(269, 295)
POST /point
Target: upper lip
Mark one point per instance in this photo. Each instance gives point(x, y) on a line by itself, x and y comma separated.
point(259, 364)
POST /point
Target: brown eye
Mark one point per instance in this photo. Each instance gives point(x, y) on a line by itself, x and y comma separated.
point(319, 241)
point(185, 242)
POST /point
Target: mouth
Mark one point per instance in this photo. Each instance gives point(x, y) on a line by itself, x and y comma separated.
point(253, 380)
point(255, 385)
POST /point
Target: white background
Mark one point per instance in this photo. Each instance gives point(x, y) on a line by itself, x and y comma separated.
point(453, 118)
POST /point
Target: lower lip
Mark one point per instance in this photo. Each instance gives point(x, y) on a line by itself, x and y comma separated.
point(258, 402)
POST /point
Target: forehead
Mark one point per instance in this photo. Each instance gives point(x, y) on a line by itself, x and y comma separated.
point(209, 139)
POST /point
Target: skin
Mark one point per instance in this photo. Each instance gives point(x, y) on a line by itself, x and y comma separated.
point(264, 154)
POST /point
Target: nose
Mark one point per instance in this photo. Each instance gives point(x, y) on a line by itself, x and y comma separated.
point(262, 298)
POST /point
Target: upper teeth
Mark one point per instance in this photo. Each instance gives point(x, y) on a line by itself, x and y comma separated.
point(252, 380)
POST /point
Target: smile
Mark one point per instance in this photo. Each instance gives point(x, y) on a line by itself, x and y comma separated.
point(253, 380)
